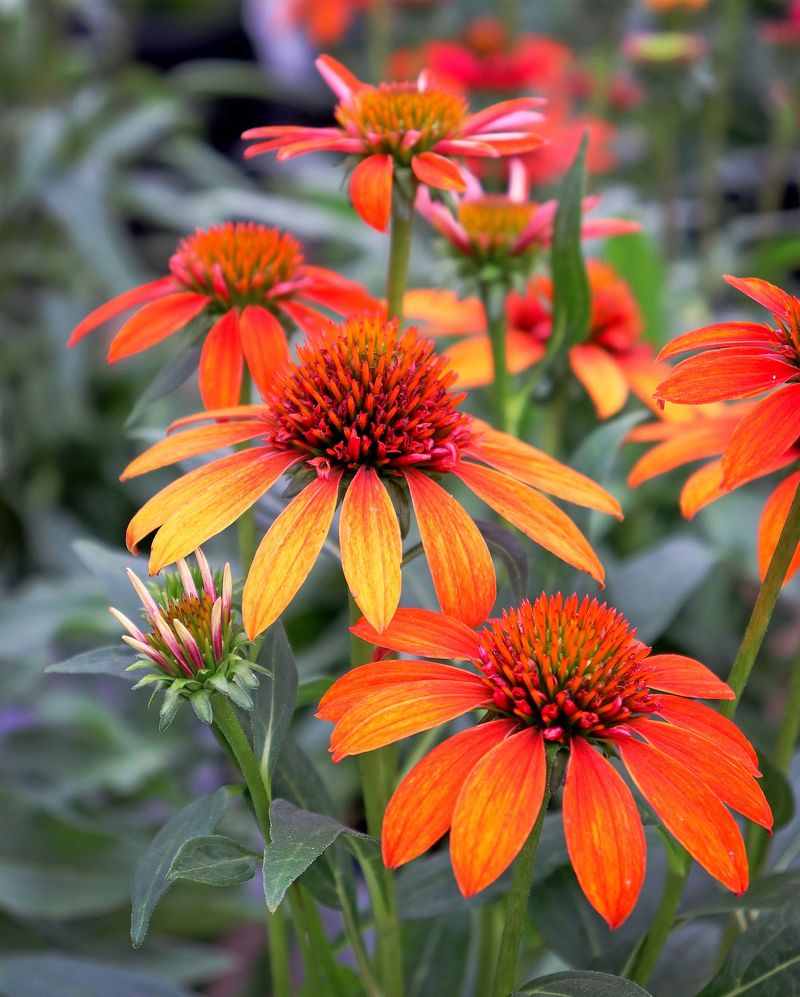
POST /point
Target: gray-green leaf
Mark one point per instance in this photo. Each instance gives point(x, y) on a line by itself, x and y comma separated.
point(275, 698)
point(582, 983)
point(214, 860)
point(112, 660)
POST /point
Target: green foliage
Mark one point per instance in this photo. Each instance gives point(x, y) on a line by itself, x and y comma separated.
point(575, 983)
point(214, 860)
point(274, 700)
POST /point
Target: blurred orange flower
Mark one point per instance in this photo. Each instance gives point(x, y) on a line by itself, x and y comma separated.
point(365, 413)
point(325, 21)
point(558, 672)
point(248, 279)
point(662, 6)
point(418, 126)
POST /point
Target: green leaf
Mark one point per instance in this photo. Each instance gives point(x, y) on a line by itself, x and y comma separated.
point(764, 961)
point(112, 660)
point(434, 955)
point(427, 889)
point(150, 881)
point(275, 698)
point(596, 455)
point(582, 983)
point(769, 892)
point(636, 258)
point(45, 974)
point(172, 374)
point(298, 839)
point(312, 690)
point(214, 860)
point(571, 298)
point(511, 552)
point(59, 891)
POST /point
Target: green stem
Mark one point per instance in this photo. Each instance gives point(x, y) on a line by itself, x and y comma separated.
point(316, 951)
point(379, 36)
point(517, 902)
point(246, 524)
point(488, 925)
point(228, 724)
point(278, 948)
point(402, 222)
point(493, 297)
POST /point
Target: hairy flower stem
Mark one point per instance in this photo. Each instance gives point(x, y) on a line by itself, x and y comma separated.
point(376, 769)
point(402, 221)
point(246, 524)
point(516, 913)
point(647, 954)
point(493, 297)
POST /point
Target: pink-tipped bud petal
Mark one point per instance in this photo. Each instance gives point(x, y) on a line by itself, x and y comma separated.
point(147, 600)
point(186, 579)
point(205, 574)
point(129, 625)
point(189, 643)
point(227, 591)
point(216, 628)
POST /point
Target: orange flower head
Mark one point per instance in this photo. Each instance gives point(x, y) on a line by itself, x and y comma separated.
point(366, 415)
point(564, 668)
point(417, 127)
point(249, 281)
point(569, 673)
point(494, 222)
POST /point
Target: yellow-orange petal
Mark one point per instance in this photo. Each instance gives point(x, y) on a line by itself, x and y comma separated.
point(683, 447)
point(121, 303)
point(223, 498)
point(263, 344)
point(689, 810)
point(709, 723)
point(684, 676)
point(724, 375)
point(437, 171)
point(154, 322)
point(601, 376)
point(763, 435)
point(372, 551)
point(422, 806)
point(472, 357)
point(287, 553)
point(605, 837)
point(422, 631)
point(221, 363)
point(770, 525)
point(534, 514)
point(702, 488)
point(458, 558)
point(371, 190)
point(720, 335)
point(444, 311)
point(536, 468)
point(228, 414)
point(191, 443)
point(496, 810)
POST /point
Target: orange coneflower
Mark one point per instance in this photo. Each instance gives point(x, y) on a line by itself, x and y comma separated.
point(248, 279)
point(419, 126)
point(558, 672)
point(366, 414)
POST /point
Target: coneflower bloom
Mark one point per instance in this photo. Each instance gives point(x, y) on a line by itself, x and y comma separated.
point(419, 126)
point(555, 672)
point(249, 280)
point(366, 414)
point(191, 639)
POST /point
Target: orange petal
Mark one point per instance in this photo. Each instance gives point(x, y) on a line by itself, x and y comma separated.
point(471, 359)
point(221, 501)
point(770, 525)
point(372, 550)
point(263, 344)
point(459, 560)
point(724, 375)
point(766, 294)
point(763, 435)
point(155, 322)
point(605, 837)
point(689, 810)
point(170, 500)
point(349, 690)
point(313, 323)
point(444, 311)
point(724, 776)
point(709, 723)
point(421, 631)
point(371, 190)
point(685, 677)
point(537, 469)
point(287, 553)
point(690, 444)
point(189, 444)
point(229, 413)
point(496, 810)
point(338, 77)
point(121, 303)
point(422, 807)
point(722, 334)
point(534, 514)
point(221, 363)
point(702, 488)
point(602, 376)
point(384, 716)
point(437, 171)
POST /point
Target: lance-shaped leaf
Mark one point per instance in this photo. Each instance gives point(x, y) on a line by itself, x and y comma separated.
point(582, 983)
point(274, 700)
point(214, 860)
point(113, 660)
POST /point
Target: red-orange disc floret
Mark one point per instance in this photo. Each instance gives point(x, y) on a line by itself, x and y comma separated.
point(368, 395)
point(566, 668)
point(237, 263)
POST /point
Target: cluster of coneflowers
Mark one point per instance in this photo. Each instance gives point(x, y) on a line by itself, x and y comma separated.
point(364, 416)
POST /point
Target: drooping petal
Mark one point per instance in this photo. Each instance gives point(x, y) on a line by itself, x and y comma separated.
point(458, 558)
point(701, 488)
point(421, 809)
point(371, 190)
point(384, 716)
point(471, 358)
point(709, 723)
point(220, 372)
point(692, 443)
point(689, 810)
point(155, 322)
point(421, 631)
point(685, 677)
point(601, 376)
point(766, 294)
point(369, 536)
point(725, 778)
point(763, 435)
point(537, 469)
point(724, 375)
point(190, 444)
point(496, 810)
point(437, 171)
point(287, 553)
point(605, 837)
point(534, 514)
point(263, 344)
point(719, 335)
point(770, 525)
point(121, 303)
point(481, 120)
